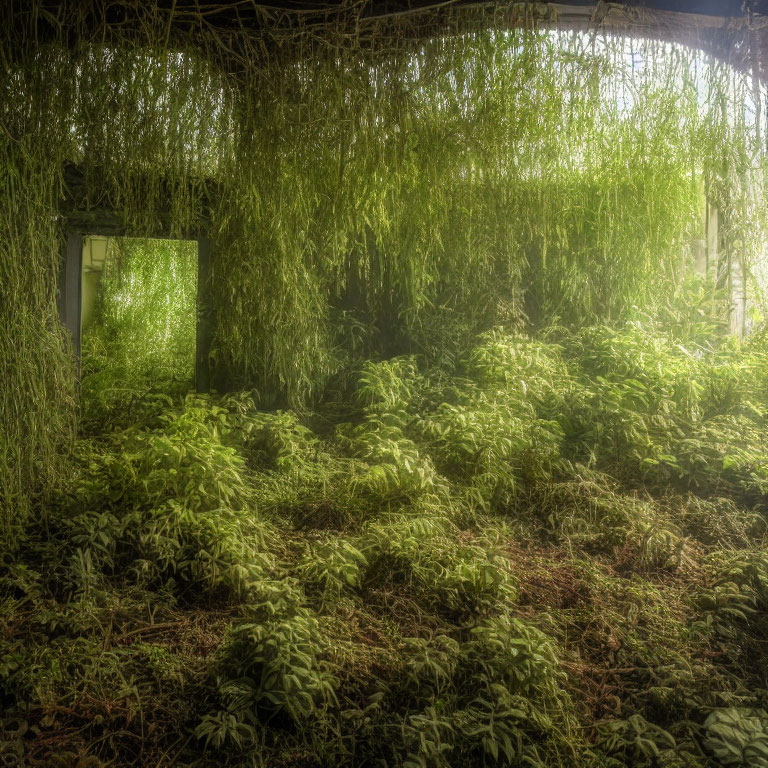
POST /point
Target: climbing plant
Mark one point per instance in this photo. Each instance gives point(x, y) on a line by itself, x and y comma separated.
point(370, 189)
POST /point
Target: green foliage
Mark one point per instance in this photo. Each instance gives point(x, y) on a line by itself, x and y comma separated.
point(429, 665)
point(170, 502)
point(142, 336)
point(508, 698)
point(497, 433)
point(635, 741)
point(448, 576)
point(278, 440)
point(425, 553)
point(37, 394)
point(390, 198)
point(333, 567)
point(525, 526)
point(737, 736)
point(275, 671)
point(145, 315)
point(735, 601)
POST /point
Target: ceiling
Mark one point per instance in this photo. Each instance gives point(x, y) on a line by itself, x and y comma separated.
point(732, 30)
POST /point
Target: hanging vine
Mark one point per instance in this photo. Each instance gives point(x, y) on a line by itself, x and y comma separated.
point(379, 189)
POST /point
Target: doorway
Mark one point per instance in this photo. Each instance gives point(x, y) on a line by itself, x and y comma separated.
point(138, 313)
point(145, 300)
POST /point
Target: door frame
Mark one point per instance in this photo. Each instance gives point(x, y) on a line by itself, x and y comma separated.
point(70, 299)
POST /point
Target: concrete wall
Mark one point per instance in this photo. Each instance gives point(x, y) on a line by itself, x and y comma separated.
point(94, 256)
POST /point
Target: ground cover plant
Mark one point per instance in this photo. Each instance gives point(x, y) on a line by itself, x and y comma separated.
point(370, 190)
point(533, 558)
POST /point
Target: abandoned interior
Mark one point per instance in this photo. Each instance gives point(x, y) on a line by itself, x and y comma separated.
point(383, 383)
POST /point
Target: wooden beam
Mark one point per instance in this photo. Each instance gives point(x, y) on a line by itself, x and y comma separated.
point(236, 34)
point(82, 218)
point(92, 209)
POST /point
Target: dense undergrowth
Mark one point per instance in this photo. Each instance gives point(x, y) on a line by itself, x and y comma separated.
point(551, 554)
point(476, 548)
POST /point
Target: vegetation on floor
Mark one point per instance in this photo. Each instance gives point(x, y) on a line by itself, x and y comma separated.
point(141, 336)
point(550, 555)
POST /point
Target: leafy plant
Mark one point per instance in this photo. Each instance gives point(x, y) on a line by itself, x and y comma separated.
point(737, 736)
point(273, 669)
